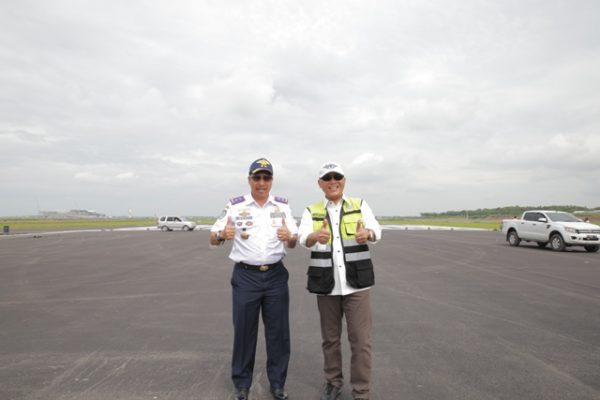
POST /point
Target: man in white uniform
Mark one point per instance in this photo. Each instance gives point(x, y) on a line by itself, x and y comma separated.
point(261, 226)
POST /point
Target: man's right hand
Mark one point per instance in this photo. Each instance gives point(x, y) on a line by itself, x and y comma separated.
point(323, 234)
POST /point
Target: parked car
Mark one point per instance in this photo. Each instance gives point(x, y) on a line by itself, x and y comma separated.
point(560, 229)
point(172, 222)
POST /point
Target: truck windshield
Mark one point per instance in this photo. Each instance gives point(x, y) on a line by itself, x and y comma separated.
point(561, 217)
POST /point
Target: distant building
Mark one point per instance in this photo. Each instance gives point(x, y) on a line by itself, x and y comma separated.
point(71, 214)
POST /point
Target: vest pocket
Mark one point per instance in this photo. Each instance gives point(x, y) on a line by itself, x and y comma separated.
point(359, 274)
point(320, 280)
point(350, 228)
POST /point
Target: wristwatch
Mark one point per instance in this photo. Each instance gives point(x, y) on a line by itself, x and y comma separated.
point(219, 238)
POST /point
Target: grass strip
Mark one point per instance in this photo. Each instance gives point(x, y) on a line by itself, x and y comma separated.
point(44, 224)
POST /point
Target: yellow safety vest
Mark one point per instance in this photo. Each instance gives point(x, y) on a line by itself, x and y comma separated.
point(357, 258)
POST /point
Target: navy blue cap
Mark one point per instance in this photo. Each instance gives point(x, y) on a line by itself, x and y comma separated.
point(262, 164)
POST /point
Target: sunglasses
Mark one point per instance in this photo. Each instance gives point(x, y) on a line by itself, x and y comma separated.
point(337, 177)
point(266, 178)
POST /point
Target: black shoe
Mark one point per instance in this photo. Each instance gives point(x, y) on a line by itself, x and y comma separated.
point(241, 394)
point(279, 394)
point(330, 392)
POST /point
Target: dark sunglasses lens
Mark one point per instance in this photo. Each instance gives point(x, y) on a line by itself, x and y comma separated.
point(265, 178)
point(337, 177)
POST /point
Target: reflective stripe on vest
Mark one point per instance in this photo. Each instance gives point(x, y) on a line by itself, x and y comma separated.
point(353, 252)
point(321, 258)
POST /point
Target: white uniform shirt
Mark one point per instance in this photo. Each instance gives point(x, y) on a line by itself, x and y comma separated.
point(259, 226)
point(339, 267)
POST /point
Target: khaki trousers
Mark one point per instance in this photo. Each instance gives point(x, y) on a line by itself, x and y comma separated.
point(357, 309)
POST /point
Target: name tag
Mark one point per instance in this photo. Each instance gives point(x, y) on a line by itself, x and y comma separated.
point(276, 222)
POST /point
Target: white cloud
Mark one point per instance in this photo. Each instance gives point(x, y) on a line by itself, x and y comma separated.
point(126, 176)
point(87, 176)
point(367, 158)
point(440, 105)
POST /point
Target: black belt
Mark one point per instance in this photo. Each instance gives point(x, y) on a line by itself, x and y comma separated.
point(261, 268)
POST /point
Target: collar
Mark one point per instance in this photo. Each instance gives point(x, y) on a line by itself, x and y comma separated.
point(250, 200)
point(328, 202)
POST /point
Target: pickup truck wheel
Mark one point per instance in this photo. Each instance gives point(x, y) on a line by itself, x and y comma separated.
point(186, 228)
point(591, 248)
point(513, 238)
point(542, 244)
point(557, 242)
point(164, 228)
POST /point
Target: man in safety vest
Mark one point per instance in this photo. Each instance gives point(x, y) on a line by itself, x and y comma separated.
point(337, 230)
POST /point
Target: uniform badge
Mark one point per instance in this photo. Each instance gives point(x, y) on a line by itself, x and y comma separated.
point(245, 214)
point(236, 200)
point(281, 200)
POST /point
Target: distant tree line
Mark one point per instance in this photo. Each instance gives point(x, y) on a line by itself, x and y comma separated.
point(501, 212)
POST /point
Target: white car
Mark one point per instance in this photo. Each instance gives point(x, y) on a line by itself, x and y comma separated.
point(560, 229)
point(172, 222)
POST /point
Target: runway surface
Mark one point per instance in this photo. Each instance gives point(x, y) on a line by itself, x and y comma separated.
point(147, 315)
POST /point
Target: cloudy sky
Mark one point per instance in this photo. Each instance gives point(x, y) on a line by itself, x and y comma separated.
point(160, 106)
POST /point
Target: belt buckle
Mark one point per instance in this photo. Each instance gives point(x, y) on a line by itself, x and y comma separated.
point(263, 268)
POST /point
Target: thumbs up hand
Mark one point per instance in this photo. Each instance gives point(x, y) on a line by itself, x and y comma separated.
point(229, 231)
point(323, 234)
point(283, 233)
point(362, 234)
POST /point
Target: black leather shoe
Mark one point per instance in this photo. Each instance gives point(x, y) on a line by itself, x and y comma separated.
point(279, 394)
point(330, 392)
point(241, 394)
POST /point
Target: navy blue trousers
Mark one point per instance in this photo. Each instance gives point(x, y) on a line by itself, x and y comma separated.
point(254, 291)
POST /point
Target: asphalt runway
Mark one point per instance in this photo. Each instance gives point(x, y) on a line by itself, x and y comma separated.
point(147, 315)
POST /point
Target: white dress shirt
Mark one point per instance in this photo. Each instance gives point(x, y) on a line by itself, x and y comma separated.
point(339, 267)
point(255, 240)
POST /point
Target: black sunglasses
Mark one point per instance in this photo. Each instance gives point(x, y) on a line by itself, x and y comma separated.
point(264, 177)
point(337, 177)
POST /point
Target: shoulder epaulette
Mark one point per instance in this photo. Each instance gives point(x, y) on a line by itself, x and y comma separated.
point(237, 200)
point(281, 200)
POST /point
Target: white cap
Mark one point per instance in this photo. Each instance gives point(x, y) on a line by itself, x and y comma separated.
point(329, 167)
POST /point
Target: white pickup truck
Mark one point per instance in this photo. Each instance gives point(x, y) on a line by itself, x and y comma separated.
point(558, 228)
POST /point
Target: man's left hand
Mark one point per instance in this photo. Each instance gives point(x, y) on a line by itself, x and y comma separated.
point(283, 233)
point(362, 234)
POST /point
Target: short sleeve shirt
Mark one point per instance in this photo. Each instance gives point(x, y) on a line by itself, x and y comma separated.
point(255, 240)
